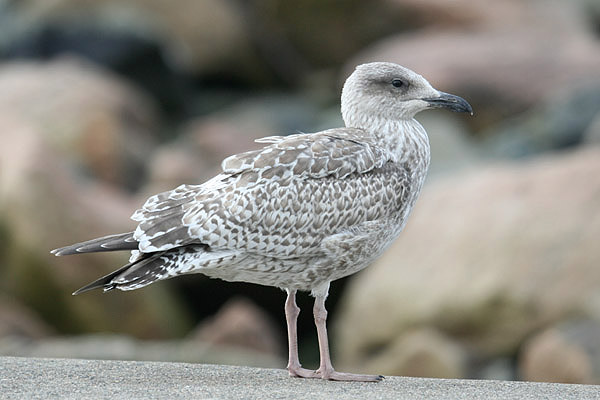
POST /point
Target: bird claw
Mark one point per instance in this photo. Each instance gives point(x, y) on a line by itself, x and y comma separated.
point(345, 376)
point(299, 372)
point(332, 375)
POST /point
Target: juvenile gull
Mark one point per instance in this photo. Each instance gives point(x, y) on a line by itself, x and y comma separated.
point(301, 212)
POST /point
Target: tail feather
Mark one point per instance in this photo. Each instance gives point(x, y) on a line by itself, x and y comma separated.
point(121, 241)
point(103, 282)
point(115, 278)
point(151, 267)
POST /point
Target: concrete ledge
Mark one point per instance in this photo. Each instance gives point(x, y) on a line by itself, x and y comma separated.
point(39, 378)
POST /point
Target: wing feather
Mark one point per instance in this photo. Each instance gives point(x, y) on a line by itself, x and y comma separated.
point(121, 241)
point(280, 200)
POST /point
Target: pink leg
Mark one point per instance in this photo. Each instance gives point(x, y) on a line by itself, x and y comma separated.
point(291, 316)
point(326, 370)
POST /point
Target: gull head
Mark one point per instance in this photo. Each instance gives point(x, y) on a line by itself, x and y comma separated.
point(387, 91)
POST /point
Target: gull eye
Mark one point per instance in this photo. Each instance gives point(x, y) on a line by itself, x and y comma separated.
point(398, 83)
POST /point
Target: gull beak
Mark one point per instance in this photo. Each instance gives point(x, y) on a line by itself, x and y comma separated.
point(450, 101)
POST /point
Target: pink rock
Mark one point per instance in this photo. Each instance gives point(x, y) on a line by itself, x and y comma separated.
point(240, 323)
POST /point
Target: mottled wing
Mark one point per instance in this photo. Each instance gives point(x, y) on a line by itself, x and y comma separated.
point(160, 219)
point(279, 201)
point(334, 152)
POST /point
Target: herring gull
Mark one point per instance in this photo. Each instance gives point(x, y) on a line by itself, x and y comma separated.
point(299, 213)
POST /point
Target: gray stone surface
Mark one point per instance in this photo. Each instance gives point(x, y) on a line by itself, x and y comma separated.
point(34, 378)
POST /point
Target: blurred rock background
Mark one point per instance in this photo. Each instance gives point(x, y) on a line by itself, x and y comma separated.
point(497, 274)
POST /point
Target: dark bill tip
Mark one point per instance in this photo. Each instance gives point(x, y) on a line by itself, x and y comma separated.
point(451, 102)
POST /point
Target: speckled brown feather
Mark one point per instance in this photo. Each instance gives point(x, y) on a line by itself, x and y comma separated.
point(279, 200)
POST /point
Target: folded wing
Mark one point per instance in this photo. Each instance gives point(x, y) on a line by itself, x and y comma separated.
point(279, 201)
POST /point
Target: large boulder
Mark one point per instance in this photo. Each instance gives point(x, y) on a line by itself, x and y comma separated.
point(241, 324)
point(424, 352)
point(75, 141)
point(98, 123)
point(487, 258)
point(18, 320)
point(50, 199)
point(568, 352)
